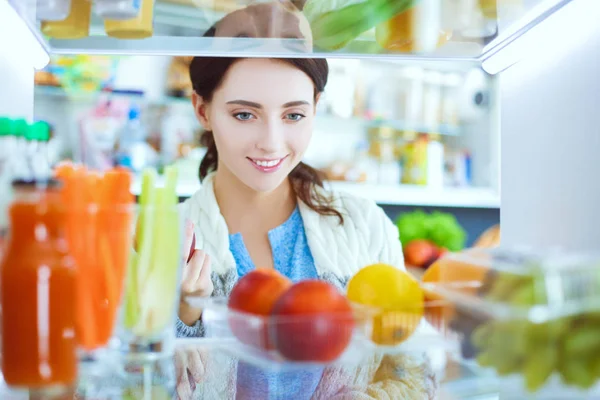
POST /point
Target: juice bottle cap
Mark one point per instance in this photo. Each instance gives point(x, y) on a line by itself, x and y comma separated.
point(5, 126)
point(19, 127)
point(39, 131)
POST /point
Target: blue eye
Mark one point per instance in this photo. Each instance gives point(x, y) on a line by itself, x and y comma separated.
point(243, 116)
point(294, 117)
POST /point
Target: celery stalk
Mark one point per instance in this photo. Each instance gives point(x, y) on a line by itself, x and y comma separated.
point(141, 260)
point(157, 278)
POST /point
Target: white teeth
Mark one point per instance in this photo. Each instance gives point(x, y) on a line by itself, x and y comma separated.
point(266, 163)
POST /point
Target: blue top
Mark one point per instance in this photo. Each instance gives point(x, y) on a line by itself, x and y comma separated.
point(291, 254)
point(292, 258)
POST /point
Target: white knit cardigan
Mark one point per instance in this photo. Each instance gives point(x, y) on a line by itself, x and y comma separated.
point(367, 236)
point(339, 250)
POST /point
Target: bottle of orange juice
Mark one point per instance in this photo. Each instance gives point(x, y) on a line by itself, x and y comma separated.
point(37, 292)
point(417, 30)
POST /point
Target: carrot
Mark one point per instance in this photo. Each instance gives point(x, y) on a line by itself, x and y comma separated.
point(77, 191)
point(109, 289)
point(118, 196)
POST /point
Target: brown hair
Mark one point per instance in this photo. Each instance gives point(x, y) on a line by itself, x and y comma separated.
point(207, 73)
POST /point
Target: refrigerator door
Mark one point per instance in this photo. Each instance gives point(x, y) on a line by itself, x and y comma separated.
point(550, 126)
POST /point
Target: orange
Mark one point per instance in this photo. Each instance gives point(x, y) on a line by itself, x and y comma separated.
point(453, 274)
point(395, 298)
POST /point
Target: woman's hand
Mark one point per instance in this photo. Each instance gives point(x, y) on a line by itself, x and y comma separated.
point(195, 280)
point(189, 368)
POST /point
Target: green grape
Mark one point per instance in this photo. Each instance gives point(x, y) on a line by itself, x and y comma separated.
point(577, 372)
point(506, 346)
point(484, 359)
point(539, 366)
point(548, 332)
point(481, 334)
point(583, 341)
point(596, 367)
point(503, 286)
point(525, 295)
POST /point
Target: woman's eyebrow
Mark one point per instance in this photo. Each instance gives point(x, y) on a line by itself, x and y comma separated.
point(245, 103)
point(296, 103)
point(256, 105)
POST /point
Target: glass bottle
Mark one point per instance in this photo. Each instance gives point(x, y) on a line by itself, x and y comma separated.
point(37, 293)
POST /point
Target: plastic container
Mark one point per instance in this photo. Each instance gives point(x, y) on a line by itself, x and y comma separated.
point(530, 316)
point(75, 26)
point(118, 9)
point(414, 31)
point(265, 341)
point(52, 10)
point(138, 26)
point(255, 339)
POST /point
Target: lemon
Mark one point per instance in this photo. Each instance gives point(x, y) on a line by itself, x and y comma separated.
point(395, 297)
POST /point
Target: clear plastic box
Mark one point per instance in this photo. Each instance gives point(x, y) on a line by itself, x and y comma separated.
point(286, 343)
point(531, 317)
point(262, 341)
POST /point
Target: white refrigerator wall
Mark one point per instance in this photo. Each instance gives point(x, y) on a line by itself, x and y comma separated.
point(16, 78)
point(550, 149)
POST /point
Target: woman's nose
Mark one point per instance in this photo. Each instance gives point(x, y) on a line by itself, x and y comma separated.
point(271, 138)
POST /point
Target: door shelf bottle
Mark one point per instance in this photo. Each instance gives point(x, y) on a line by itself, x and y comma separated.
point(37, 293)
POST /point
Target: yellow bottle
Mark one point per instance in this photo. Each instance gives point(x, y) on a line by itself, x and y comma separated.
point(139, 27)
point(416, 30)
point(75, 26)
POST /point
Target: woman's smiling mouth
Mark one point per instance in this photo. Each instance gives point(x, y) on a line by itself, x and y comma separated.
point(267, 165)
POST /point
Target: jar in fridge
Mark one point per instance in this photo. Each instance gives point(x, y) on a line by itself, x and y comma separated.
point(417, 30)
point(52, 10)
point(432, 102)
point(137, 27)
point(413, 87)
point(37, 292)
point(414, 159)
point(450, 98)
point(118, 9)
point(75, 26)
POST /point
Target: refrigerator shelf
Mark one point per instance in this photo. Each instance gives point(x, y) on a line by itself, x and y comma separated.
point(470, 31)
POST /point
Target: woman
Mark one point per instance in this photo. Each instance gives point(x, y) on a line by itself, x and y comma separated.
point(260, 205)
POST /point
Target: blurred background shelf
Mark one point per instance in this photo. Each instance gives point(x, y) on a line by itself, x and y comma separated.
point(415, 137)
point(391, 195)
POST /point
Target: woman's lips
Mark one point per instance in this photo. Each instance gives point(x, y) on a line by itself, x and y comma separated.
point(267, 165)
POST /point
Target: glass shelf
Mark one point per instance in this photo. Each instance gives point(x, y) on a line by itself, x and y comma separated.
point(222, 376)
point(444, 30)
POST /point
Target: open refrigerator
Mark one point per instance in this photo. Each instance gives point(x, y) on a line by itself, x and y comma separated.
point(543, 54)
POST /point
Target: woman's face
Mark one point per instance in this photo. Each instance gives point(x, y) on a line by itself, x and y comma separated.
point(262, 119)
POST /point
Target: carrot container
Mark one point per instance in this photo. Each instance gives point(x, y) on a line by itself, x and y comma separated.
point(99, 233)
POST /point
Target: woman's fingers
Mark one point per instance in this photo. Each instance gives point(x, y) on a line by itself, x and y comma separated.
point(192, 271)
point(195, 365)
point(184, 386)
point(204, 283)
point(188, 240)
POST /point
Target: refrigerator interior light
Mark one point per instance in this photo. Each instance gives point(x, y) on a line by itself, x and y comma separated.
point(575, 19)
point(16, 37)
